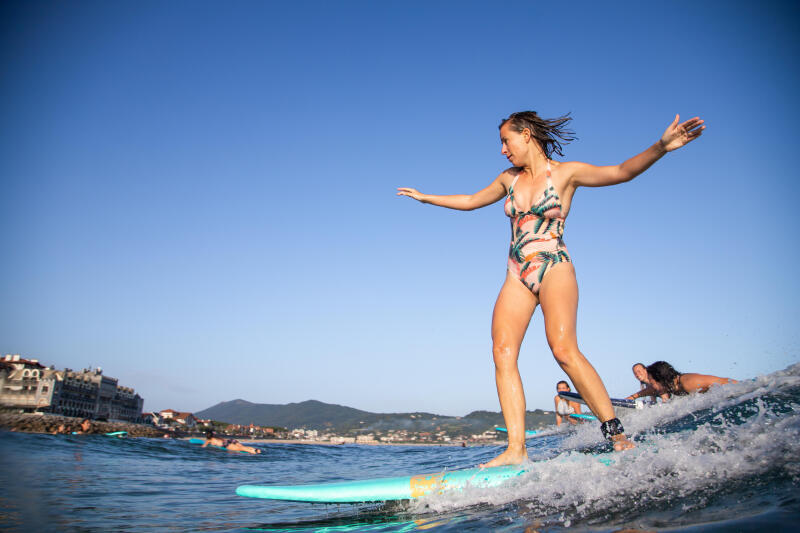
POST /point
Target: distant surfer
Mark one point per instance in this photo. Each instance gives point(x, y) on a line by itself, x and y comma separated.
point(232, 445)
point(538, 195)
point(564, 408)
point(85, 427)
point(665, 381)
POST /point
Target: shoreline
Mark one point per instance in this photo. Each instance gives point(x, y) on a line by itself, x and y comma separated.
point(49, 423)
point(328, 443)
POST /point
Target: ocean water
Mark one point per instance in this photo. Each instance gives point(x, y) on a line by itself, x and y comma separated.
point(728, 460)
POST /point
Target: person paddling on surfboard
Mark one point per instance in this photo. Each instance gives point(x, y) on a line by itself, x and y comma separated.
point(538, 195)
point(564, 408)
point(645, 384)
point(232, 445)
point(666, 381)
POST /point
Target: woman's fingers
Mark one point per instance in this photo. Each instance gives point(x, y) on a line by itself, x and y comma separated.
point(696, 132)
point(692, 123)
point(407, 191)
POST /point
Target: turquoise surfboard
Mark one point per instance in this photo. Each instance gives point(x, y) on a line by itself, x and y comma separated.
point(528, 432)
point(400, 488)
point(583, 417)
point(385, 489)
point(618, 402)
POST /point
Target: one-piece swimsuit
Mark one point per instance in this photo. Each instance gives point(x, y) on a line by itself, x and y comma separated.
point(536, 236)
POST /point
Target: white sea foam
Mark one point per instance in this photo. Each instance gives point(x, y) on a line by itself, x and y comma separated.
point(689, 450)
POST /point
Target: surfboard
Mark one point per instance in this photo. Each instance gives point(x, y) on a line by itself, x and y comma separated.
point(201, 441)
point(386, 489)
point(528, 432)
point(116, 434)
point(400, 488)
point(583, 416)
point(629, 404)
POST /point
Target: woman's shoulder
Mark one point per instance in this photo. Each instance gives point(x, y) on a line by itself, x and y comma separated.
point(511, 172)
point(508, 176)
point(561, 172)
point(565, 169)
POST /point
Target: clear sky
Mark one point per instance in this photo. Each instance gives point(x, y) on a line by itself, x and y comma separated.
point(200, 196)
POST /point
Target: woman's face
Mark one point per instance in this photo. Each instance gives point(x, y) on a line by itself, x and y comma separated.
point(641, 373)
point(514, 145)
point(562, 387)
point(85, 425)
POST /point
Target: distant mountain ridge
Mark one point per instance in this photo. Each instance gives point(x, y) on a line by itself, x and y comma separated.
point(313, 414)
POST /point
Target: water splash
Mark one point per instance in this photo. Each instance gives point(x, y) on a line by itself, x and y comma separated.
point(692, 453)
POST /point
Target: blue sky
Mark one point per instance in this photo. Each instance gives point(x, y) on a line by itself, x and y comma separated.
point(200, 196)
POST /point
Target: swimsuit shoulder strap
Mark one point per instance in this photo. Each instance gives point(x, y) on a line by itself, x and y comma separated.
point(513, 183)
point(549, 183)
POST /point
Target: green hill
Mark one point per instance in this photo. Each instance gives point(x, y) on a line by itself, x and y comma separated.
point(313, 414)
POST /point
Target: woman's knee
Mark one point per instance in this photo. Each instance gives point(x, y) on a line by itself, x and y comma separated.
point(505, 355)
point(565, 353)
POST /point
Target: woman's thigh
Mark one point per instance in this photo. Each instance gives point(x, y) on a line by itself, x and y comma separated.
point(512, 314)
point(558, 297)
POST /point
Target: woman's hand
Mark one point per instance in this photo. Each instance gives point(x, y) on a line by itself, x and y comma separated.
point(678, 135)
point(411, 193)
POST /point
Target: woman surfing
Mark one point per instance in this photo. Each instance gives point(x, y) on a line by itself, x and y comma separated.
point(538, 195)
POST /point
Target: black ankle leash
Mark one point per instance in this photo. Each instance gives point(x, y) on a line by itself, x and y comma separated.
point(611, 427)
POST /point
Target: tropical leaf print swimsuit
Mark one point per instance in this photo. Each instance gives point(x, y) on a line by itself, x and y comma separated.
point(536, 244)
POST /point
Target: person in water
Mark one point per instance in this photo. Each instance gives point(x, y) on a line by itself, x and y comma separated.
point(667, 380)
point(232, 445)
point(564, 408)
point(538, 195)
point(640, 373)
point(85, 427)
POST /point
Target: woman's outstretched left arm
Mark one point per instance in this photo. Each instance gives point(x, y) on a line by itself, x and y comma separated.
point(675, 136)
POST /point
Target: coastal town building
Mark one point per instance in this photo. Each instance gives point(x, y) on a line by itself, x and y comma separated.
point(27, 385)
point(185, 419)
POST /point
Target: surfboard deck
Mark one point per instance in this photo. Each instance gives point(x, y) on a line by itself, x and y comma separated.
point(403, 487)
point(385, 489)
point(618, 402)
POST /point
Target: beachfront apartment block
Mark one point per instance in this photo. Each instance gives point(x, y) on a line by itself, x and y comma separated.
point(28, 386)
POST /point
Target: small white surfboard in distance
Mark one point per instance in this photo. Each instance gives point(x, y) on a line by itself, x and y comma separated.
point(618, 402)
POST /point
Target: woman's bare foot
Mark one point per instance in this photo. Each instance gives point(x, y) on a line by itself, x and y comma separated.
point(514, 455)
point(621, 442)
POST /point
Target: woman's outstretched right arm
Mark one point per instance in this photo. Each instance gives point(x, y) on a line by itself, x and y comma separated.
point(463, 202)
